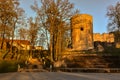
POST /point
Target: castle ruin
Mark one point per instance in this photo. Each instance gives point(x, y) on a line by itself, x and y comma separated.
point(82, 34)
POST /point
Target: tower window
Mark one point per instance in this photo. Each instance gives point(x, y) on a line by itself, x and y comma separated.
point(81, 29)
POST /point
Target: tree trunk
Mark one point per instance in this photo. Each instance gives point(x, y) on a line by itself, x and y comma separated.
point(11, 49)
point(3, 37)
point(51, 47)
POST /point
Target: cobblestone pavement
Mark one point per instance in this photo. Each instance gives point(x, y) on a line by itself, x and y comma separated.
point(59, 76)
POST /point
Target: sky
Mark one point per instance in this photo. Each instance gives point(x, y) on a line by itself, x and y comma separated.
point(96, 8)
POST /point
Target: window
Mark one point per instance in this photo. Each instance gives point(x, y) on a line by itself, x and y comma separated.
point(81, 29)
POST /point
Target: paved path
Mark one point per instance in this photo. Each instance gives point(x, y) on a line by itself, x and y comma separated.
point(59, 76)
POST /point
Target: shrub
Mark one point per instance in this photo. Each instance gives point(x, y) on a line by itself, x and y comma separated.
point(8, 66)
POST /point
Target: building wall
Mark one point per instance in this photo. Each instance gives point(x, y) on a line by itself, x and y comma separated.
point(82, 32)
point(39, 47)
point(22, 44)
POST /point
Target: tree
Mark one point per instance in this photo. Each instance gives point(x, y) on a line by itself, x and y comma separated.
point(41, 39)
point(113, 15)
point(33, 31)
point(23, 33)
point(55, 17)
point(10, 15)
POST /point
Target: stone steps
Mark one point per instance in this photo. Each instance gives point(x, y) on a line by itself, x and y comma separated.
point(92, 61)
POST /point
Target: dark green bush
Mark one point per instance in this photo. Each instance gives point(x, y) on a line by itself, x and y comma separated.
point(8, 66)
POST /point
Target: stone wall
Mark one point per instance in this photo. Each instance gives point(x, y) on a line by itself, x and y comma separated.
point(105, 37)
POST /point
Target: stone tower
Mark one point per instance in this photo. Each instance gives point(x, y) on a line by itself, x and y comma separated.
point(82, 32)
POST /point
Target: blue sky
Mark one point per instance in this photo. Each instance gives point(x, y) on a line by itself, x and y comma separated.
point(96, 8)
